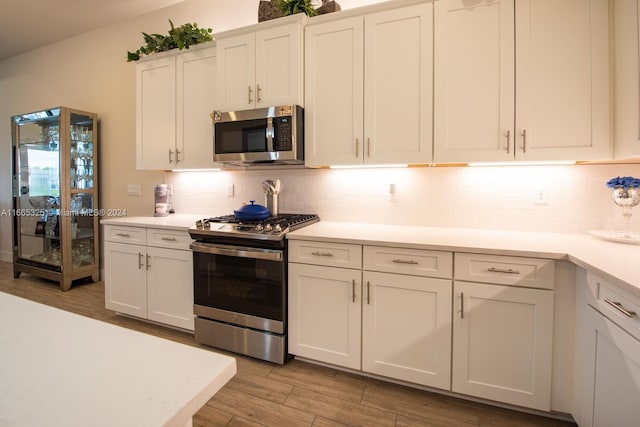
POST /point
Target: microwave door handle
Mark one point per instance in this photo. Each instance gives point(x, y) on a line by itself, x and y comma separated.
point(270, 134)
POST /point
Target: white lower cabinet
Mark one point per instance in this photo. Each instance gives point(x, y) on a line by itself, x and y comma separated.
point(325, 314)
point(503, 328)
point(406, 328)
point(150, 282)
point(397, 313)
point(502, 343)
point(607, 373)
point(394, 325)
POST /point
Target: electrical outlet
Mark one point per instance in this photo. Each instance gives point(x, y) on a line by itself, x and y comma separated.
point(230, 190)
point(541, 196)
point(134, 190)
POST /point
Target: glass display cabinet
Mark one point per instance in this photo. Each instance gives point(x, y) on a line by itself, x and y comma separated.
point(55, 195)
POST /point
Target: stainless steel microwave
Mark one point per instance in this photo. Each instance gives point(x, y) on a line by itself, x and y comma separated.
point(261, 136)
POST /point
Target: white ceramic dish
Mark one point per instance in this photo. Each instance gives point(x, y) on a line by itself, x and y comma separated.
point(617, 236)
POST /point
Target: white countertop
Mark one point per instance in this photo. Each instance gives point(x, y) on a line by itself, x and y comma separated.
point(180, 222)
point(61, 369)
point(617, 262)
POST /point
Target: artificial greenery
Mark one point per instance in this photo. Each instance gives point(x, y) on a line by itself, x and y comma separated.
point(291, 7)
point(179, 38)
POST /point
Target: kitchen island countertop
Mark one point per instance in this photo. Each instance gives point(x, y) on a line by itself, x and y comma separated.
point(61, 369)
point(617, 262)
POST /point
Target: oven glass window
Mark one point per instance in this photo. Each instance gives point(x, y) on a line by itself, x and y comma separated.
point(241, 137)
point(241, 285)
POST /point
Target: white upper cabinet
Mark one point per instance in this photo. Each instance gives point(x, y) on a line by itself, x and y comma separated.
point(261, 68)
point(156, 113)
point(196, 99)
point(334, 84)
point(368, 88)
point(474, 81)
point(562, 80)
point(175, 95)
point(626, 41)
point(555, 55)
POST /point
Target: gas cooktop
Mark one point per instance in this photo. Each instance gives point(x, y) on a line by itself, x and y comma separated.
point(272, 228)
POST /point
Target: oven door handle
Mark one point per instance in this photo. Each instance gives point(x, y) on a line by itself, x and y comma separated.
point(238, 251)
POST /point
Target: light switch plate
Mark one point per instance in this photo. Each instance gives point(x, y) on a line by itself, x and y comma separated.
point(134, 190)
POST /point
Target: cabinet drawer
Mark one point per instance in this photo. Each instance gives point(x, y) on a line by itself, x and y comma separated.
point(124, 234)
point(171, 239)
point(505, 270)
point(415, 262)
point(322, 253)
point(618, 305)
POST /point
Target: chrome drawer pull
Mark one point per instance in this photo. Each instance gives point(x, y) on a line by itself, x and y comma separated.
point(140, 261)
point(316, 253)
point(501, 270)
point(168, 239)
point(402, 261)
point(618, 306)
point(123, 234)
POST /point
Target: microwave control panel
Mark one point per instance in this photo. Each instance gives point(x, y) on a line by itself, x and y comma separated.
point(283, 134)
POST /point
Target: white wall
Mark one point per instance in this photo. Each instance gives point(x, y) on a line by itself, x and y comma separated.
point(90, 72)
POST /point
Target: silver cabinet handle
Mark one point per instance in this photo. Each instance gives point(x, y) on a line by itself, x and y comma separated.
point(357, 148)
point(502, 270)
point(258, 90)
point(368, 147)
point(170, 156)
point(168, 239)
point(462, 305)
point(402, 261)
point(250, 91)
point(177, 156)
point(148, 261)
point(316, 253)
point(368, 292)
point(123, 234)
point(508, 136)
point(618, 306)
point(353, 290)
point(140, 261)
point(524, 141)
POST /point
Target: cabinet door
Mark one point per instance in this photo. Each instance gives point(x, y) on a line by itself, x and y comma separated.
point(279, 66)
point(170, 286)
point(334, 93)
point(614, 373)
point(473, 81)
point(325, 314)
point(236, 72)
point(196, 97)
point(626, 80)
point(125, 282)
point(562, 78)
point(406, 328)
point(398, 92)
point(502, 343)
point(155, 113)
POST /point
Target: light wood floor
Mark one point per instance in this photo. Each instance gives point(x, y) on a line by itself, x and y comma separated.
point(296, 394)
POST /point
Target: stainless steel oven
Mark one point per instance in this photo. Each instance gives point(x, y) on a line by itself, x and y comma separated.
point(240, 284)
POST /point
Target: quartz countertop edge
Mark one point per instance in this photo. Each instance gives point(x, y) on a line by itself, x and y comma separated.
point(178, 222)
point(612, 261)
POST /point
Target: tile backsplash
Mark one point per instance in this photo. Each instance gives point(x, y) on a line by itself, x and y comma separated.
point(575, 197)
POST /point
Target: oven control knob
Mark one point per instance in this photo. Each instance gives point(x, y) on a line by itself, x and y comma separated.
point(259, 227)
point(267, 228)
point(278, 228)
